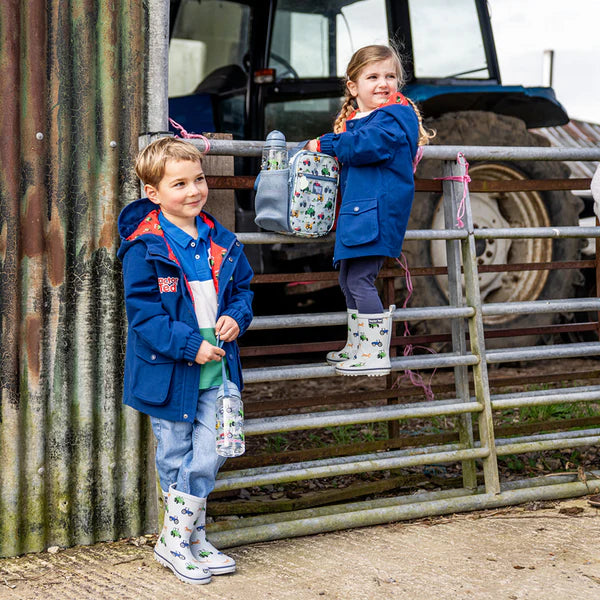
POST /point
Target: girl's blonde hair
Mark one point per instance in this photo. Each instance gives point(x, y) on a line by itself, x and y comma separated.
point(360, 59)
point(151, 161)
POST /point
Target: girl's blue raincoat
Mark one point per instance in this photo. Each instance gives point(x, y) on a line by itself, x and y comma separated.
point(377, 183)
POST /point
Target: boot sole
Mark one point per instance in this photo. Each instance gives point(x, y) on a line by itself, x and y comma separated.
point(191, 580)
point(335, 362)
point(221, 571)
point(368, 372)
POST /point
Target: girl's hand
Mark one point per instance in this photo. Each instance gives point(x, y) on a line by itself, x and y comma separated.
point(311, 145)
point(227, 328)
point(208, 352)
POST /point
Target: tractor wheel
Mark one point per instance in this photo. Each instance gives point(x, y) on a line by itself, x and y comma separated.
point(497, 210)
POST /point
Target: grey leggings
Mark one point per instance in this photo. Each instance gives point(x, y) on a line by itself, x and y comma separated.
point(357, 280)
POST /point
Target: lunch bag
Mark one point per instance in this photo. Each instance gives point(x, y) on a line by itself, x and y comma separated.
point(299, 200)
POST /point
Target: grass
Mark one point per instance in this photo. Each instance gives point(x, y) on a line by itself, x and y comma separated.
point(562, 410)
point(277, 443)
point(355, 434)
point(339, 436)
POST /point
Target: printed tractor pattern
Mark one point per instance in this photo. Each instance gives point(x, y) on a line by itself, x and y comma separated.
point(349, 350)
point(312, 206)
point(229, 425)
point(372, 355)
point(376, 335)
point(208, 556)
point(172, 549)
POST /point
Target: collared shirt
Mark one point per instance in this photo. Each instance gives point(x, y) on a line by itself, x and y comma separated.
point(193, 256)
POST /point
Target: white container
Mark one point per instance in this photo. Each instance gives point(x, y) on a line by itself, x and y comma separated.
point(230, 421)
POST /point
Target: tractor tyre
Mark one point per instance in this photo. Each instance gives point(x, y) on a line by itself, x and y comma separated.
point(495, 210)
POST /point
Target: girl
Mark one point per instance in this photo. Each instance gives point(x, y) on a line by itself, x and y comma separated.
point(375, 138)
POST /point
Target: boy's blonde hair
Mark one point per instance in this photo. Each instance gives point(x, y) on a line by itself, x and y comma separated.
point(360, 59)
point(150, 162)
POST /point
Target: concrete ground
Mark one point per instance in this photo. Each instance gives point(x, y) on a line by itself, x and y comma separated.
point(547, 551)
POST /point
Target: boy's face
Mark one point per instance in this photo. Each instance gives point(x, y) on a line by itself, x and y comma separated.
point(181, 193)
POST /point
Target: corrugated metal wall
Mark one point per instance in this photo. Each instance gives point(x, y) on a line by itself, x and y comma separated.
point(74, 464)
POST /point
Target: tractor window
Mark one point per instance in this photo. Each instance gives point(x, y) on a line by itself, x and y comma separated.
point(302, 119)
point(207, 47)
point(447, 40)
point(300, 45)
point(316, 38)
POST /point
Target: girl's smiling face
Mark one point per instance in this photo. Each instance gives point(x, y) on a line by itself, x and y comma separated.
point(375, 85)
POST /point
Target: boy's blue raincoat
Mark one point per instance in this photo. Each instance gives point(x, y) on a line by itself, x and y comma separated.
point(161, 377)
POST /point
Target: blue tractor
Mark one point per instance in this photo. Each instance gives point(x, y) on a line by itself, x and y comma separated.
point(248, 67)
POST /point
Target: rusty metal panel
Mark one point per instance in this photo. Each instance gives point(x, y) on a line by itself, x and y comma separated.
point(74, 463)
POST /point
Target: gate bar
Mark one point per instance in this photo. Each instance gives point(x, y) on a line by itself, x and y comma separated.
point(379, 464)
point(362, 517)
point(254, 148)
point(421, 496)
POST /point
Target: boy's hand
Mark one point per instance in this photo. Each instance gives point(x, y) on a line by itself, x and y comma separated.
point(311, 145)
point(227, 328)
point(208, 352)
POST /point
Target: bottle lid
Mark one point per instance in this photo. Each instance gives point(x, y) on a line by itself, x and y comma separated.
point(232, 391)
point(276, 137)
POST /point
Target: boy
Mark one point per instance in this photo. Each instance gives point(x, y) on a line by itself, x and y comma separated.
point(186, 280)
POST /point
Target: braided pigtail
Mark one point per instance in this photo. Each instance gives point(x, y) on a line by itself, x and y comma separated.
point(345, 111)
point(424, 134)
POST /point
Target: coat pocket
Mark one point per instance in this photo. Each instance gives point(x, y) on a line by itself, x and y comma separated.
point(152, 374)
point(358, 223)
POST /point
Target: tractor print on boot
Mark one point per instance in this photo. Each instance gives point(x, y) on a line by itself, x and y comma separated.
point(372, 355)
point(172, 549)
point(349, 350)
point(204, 552)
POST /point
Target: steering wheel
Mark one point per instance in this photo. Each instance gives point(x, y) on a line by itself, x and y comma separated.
point(288, 69)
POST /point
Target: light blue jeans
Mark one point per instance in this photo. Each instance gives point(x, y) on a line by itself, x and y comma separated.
point(186, 452)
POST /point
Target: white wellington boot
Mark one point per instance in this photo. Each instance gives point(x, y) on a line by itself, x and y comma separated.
point(172, 549)
point(204, 552)
point(349, 350)
point(373, 354)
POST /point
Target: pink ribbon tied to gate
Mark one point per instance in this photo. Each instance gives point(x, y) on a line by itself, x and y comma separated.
point(461, 161)
point(417, 158)
point(416, 379)
point(190, 136)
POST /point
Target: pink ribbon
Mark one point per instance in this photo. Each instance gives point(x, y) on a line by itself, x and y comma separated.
point(460, 213)
point(417, 158)
point(415, 378)
point(190, 136)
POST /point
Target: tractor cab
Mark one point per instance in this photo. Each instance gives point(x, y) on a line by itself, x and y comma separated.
point(247, 67)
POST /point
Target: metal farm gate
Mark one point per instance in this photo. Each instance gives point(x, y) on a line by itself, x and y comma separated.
point(466, 311)
point(76, 467)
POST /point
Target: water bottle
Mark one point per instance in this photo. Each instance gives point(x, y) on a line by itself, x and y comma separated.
point(275, 154)
point(230, 419)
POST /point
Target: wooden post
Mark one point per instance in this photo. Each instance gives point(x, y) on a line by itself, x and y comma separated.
point(221, 203)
